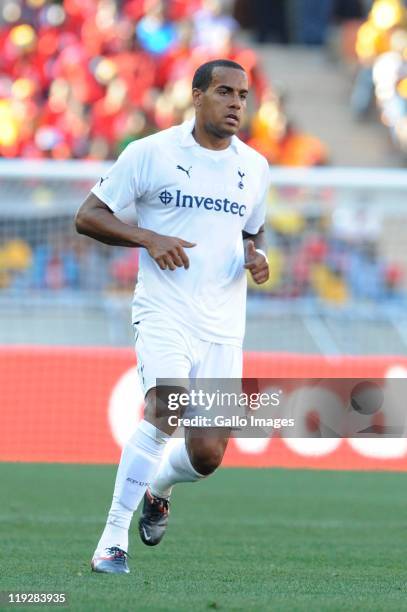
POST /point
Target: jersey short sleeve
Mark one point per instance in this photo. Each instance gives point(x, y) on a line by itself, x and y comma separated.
point(121, 186)
point(256, 219)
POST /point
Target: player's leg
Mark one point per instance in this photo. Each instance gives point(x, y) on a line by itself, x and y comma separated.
point(206, 448)
point(139, 461)
point(142, 453)
point(188, 459)
point(202, 450)
point(196, 456)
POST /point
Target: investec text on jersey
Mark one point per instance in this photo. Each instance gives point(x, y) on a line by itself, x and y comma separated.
point(191, 201)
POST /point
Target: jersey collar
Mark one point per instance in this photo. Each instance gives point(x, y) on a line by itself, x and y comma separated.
point(187, 140)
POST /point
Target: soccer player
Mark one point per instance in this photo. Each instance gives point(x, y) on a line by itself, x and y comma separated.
point(199, 193)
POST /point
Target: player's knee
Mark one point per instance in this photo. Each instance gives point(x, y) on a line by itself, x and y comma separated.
point(206, 457)
point(162, 402)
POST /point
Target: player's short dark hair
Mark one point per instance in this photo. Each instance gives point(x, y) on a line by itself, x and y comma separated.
point(203, 75)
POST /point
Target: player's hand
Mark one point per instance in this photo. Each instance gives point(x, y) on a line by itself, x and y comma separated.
point(168, 252)
point(256, 263)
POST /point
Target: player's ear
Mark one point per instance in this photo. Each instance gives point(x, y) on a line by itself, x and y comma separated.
point(197, 97)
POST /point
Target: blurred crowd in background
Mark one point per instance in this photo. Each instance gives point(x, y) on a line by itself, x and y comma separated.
point(381, 47)
point(83, 78)
point(318, 249)
point(321, 249)
point(301, 22)
point(59, 261)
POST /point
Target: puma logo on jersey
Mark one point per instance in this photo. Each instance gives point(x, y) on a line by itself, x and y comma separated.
point(186, 171)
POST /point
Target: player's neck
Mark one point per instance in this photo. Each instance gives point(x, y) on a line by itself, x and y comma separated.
point(208, 140)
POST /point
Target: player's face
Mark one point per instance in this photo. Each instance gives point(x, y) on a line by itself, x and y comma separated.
point(221, 107)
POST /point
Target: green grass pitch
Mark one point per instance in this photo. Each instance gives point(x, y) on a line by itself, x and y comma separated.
point(240, 540)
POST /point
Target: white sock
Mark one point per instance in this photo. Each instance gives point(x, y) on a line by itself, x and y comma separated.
point(175, 467)
point(138, 464)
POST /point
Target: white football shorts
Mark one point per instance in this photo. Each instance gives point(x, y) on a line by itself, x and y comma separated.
point(165, 350)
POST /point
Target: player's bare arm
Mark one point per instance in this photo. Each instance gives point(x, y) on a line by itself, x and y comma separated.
point(95, 219)
point(256, 262)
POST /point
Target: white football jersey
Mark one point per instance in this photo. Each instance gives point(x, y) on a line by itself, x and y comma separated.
point(207, 197)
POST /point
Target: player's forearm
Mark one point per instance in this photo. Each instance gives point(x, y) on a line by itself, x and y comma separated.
point(103, 226)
